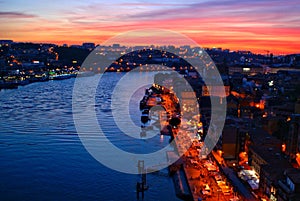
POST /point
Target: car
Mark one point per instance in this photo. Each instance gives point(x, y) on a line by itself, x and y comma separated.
point(218, 177)
point(204, 192)
point(206, 187)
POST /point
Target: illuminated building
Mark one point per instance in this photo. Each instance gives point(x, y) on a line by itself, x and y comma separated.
point(293, 138)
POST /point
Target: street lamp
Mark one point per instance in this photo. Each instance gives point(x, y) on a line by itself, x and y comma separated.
point(219, 190)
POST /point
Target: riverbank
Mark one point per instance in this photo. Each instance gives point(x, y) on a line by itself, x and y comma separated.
point(14, 81)
point(194, 178)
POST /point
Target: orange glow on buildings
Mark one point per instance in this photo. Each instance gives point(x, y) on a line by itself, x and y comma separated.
point(283, 147)
point(298, 158)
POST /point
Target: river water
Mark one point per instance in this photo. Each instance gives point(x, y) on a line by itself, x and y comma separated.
point(42, 157)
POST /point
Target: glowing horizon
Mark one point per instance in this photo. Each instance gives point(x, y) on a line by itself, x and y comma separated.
point(259, 26)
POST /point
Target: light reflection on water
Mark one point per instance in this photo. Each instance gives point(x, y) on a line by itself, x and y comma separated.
point(42, 157)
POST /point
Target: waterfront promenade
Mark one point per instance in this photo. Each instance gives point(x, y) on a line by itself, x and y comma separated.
point(203, 176)
point(231, 175)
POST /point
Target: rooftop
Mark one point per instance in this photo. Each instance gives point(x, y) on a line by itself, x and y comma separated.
point(293, 174)
point(268, 148)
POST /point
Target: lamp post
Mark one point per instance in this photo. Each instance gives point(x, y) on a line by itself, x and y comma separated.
point(219, 190)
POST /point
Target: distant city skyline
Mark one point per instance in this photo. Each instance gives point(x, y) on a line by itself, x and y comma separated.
point(259, 26)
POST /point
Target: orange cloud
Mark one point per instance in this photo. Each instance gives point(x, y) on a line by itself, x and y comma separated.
point(257, 25)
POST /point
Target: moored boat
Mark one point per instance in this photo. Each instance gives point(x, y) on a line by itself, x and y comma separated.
point(60, 76)
point(85, 73)
point(8, 85)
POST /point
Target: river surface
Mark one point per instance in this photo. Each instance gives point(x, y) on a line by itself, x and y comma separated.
point(42, 157)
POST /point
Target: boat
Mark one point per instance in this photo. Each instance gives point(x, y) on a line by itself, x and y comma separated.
point(23, 81)
point(85, 73)
point(39, 77)
point(60, 76)
point(8, 85)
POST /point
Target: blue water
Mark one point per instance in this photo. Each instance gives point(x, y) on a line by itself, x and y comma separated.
point(41, 155)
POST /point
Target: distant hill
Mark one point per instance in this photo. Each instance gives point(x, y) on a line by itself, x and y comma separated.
point(67, 54)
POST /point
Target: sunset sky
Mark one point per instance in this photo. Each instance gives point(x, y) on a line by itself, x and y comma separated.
point(256, 25)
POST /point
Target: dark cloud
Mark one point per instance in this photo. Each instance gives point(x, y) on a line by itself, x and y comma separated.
point(15, 15)
point(255, 10)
